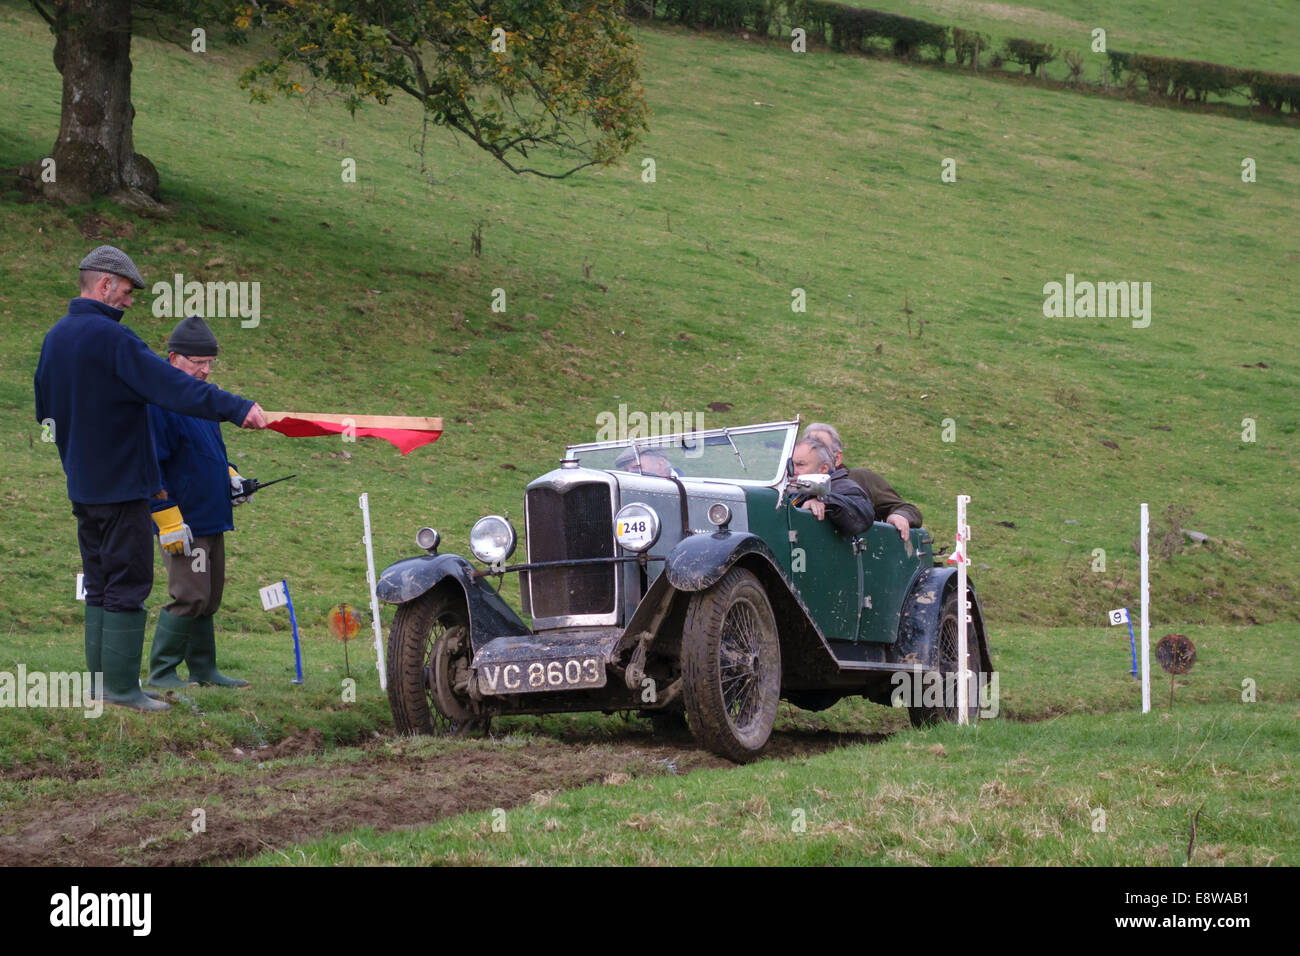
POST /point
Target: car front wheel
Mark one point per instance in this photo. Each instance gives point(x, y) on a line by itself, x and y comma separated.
point(731, 667)
point(429, 656)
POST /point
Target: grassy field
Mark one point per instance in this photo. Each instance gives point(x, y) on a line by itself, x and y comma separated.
point(774, 172)
point(1005, 794)
point(1258, 35)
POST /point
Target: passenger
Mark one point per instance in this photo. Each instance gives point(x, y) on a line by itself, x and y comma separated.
point(890, 507)
point(847, 504)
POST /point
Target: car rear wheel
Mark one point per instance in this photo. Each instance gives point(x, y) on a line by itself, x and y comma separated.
point(945, 662)
point(429, 657)
point(731, 667)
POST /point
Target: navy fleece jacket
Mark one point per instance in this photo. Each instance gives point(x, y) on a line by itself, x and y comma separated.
point(195, 470)
point(95, 380)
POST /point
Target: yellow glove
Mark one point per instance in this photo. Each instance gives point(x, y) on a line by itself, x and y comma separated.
point(173, 533)
point(237, 487)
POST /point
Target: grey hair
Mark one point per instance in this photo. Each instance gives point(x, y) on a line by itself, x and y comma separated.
point(835, 445)
point(89, 277)
point(820, 451)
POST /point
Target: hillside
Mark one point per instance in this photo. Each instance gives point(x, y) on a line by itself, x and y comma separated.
point(774, 172)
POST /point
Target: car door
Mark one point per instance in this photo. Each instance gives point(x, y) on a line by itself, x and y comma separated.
point(826, 569)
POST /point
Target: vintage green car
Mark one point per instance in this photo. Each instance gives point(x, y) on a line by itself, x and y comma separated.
point(676, 576)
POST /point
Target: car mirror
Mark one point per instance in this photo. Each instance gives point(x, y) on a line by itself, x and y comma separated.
point(810, 486)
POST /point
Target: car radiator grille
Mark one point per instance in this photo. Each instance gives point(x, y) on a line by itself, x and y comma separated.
point(577, 523)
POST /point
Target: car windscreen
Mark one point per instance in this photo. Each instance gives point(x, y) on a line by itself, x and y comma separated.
point(740, 455)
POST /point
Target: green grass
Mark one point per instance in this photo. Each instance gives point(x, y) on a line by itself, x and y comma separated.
point(1001, 794)
point(373, 303)
point(1252, 36)
point(387, 311)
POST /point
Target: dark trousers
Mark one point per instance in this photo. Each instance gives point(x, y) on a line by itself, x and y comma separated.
point(195, 582)
point(116, 544)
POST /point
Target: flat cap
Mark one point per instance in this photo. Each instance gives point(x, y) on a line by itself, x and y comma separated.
point(192, 337)
point(114, 260)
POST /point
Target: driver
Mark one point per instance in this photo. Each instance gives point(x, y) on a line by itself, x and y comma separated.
point(650, 463)
point(846, 504)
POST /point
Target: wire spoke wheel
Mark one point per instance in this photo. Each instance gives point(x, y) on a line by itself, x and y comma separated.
point(429, 656)
point(731, 665)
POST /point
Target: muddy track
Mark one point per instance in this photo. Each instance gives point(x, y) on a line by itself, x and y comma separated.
point(283, 802)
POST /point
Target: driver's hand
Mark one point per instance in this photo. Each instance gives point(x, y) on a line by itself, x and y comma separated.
point(901, 523)
point(816, 506)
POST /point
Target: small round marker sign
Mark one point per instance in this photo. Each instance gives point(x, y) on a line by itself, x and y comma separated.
point(344, 622)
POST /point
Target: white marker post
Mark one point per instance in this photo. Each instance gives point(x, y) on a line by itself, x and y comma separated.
point(364, 501)
point(961, 558)
point(1146, 614)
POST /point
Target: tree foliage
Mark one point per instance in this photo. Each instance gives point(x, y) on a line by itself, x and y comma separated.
point(514, 76)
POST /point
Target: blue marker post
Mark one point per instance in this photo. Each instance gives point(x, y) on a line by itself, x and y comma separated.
point(297, 648)
point(1121, 616)
point(1132, 641)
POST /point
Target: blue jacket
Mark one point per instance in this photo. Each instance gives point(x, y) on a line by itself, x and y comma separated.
point(195, 475)
point(95, 379)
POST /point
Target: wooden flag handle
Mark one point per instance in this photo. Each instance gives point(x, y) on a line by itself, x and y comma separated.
point(419, 423)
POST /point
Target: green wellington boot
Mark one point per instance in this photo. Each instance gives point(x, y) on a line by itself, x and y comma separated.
point(170, 644)
point(122, 647)
point(94, 648)
point(202, 657)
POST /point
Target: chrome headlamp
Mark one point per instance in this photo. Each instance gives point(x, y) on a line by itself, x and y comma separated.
point(492, 539)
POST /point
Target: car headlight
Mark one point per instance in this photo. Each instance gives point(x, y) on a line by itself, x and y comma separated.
point(636, 527)
point(492, 539)
point(719, 514)
point(427, 538)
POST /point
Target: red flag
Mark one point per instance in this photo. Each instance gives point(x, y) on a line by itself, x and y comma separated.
point(407, 433)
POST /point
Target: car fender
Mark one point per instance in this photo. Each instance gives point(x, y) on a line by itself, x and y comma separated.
point(699, 561)
point(489, 616)
point(918, 624)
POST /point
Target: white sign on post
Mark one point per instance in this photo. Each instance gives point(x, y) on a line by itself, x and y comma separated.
point(1119, 616)
point(273, 596)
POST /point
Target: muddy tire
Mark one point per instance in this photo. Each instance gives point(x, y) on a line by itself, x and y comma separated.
point(428, 668)
point(731, 667)
point(945, 661)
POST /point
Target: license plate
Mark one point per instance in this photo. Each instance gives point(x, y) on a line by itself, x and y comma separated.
point(531, 677)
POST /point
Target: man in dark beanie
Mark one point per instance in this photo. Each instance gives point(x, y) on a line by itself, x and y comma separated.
point(202, 486)
point(94, 383)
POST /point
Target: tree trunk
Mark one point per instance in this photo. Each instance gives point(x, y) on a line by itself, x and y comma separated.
point(95, 154)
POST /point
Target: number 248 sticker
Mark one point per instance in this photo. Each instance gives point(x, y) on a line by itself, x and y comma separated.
point(633, 531)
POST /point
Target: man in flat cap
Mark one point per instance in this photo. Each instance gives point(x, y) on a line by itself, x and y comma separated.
point(94, 382)
point(201, 485)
